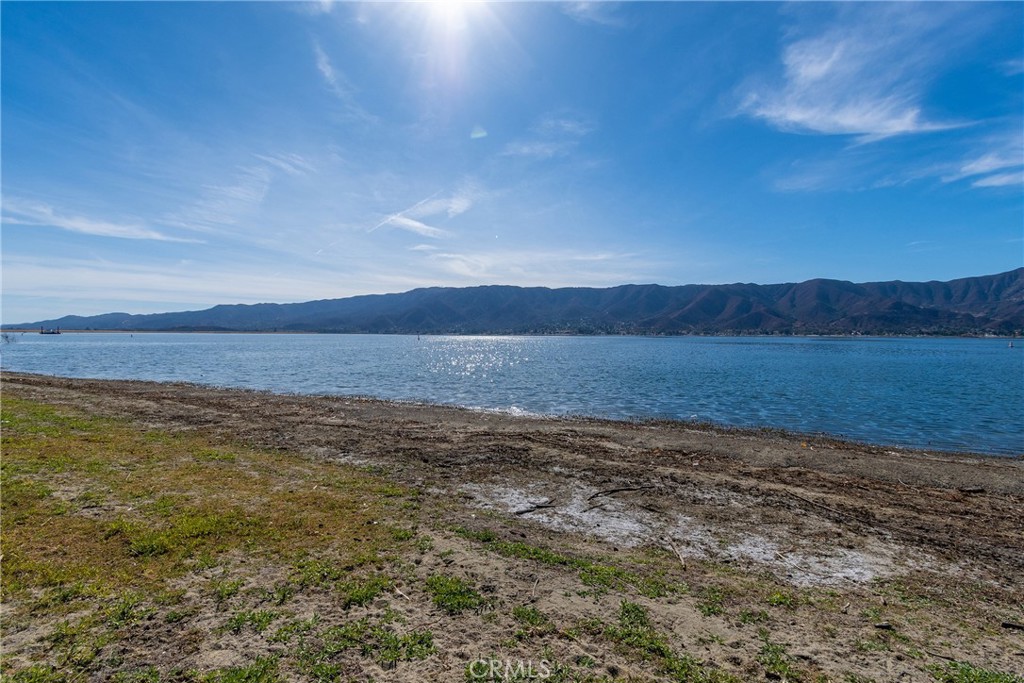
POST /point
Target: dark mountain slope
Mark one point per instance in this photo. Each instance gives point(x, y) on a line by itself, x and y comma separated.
point(976, 305)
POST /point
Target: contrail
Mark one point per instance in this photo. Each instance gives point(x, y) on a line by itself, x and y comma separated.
point(402, 213)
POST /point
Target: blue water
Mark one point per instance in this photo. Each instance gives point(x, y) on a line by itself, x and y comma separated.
point(951, 394)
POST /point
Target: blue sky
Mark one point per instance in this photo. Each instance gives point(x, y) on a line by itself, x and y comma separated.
point(170, 156)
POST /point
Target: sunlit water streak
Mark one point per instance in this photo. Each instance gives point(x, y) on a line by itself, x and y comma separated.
point(958, 394)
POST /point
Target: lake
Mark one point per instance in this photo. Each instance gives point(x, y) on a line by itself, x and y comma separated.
point(941, 393)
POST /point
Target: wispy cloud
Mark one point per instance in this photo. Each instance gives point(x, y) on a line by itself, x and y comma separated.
point(322, 6)
point(549, 267)
point(29, 213)
point(539, 149)
point(456, 204)
point(1013, 67)
point(438, 204)
point(600, 13)
point(292, 164)
point(221, 206)
point(415, 226)
point(554, 124)
point(403, 219)
point(85, 285)
point(988, 163)
point(863, 75)
point(554, 135)
point(326, 69)
point(997, 162)
point(1001, 180)
point(339, 85)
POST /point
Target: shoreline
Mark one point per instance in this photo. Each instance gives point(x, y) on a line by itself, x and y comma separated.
point(766, 446)
point(818, 438)
point(847, 562)
point(738, 335)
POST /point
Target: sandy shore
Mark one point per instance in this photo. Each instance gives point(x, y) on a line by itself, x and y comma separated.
point(815, 514)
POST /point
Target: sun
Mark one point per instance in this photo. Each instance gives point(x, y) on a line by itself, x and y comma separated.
point(452, 15)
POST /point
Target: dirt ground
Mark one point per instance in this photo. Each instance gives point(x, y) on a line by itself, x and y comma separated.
point(871, 540)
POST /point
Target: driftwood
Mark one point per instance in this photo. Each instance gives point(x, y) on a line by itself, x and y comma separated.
point(534, 508)
point(610, 492)
point(678, 553)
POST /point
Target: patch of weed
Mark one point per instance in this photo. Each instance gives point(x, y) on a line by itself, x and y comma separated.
point(400, 534)
point(752, 617)
point(962, 672)
point(376, 641)
point(601, 577)
point(635, 634)
point(223, 590)
point(263, 670)
point(295, 627)
point(782, 599)
point(360, 592)
point(776, 661)
point(317, 573)
point(711, 601)
point(533, 622)
point(454, 595)
point(149, 674)
point(38, 673)
point(259, 620)
point(125, 611)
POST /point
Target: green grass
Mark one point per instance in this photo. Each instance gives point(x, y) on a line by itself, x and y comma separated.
point(149, 510)
point(533, 622)
point(711, 601)
point(782, 599)
point(318, 656)
point(259, 620)
point(454, 595)
point(315, 572)
point(776, 661)
point(263, 670)
point(752, 617)
point(636, 636)
point(598, 576)
point(223, 590)
point(962, 672)
point(362, 591)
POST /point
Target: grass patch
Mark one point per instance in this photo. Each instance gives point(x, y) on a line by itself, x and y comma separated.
point(263, 670)
point(223, 590)
point(752, 617)
point(962, 672)
point(360, 592)
point(319, 657)
point(139, 510)
point(636, 636)
point(600, 577)
point(533, 622)
point(454, 595)
point(782, 599)
point(776, 661)
point(712, 601)
point(259, 620)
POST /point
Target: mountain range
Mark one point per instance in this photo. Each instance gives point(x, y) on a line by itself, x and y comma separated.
point(990, 304)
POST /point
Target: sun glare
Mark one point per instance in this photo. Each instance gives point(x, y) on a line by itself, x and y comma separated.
point(451, 14)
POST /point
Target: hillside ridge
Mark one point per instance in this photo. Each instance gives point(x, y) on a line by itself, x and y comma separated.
point(990, 304)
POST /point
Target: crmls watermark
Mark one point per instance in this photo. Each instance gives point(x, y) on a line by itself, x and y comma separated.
point(508, 670)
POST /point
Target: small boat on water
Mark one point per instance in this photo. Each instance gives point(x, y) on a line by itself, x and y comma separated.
point(55, 330)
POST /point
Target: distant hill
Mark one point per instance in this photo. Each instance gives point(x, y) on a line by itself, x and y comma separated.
point(991, 304)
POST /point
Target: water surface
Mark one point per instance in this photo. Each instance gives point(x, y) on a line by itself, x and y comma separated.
point(954, 394)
